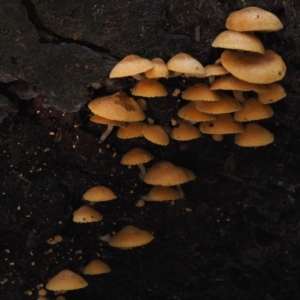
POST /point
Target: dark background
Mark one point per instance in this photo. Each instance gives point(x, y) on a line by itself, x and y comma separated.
point(235, 236)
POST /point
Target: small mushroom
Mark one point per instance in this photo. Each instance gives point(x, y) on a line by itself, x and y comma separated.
point(149, 88)
point(96, 267)
point(99, 193)
point(66, 280)
point(159, 70)
point(129, 237)
point(253, 110)
point(118, 107)
point(254, 135)
point(155, 134)
point(185, 64)
point(130, 65)
point(86, 214)
point(162, 193)
point(139, 157)
point(167, 174)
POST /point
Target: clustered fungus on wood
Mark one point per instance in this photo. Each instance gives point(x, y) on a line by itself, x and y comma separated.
point(244, 66)
point(219, 102)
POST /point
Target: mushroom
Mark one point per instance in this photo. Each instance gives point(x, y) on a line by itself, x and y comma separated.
point(96, 267)
point(231, 83)
point(167, 174)
point(185, 132)
point(185, 64)
point(253, 110)
point(149, 88)
point(254, 135)
point(86, 214)
point(162, 193)
point(133, 130)
point(254, 67)
point(66, 280)
point(155, 134)
point(137, 156)
point(224, 124)
point(129, 237)
point(200, 91)
point(253, 18)
point(226, 104)
point(130, 65)
point(99, 193)
point(190, 113)
point(118, 106)
point(274, 93)
point(242, 41)
point(159, 70)
point(212, 71)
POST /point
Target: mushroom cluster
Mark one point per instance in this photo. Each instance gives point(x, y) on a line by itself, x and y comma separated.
point(239, 88)
point(241, 85)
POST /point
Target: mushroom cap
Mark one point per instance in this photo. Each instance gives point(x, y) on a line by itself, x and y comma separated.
point(96, 267)
point(253, 110)
point(229, 82)
point(167, 174)
point(86, 214)
point(162, 193)
point(149, 88)
point(215, 70)
point(253, 19)
point(224, 124)
point(226, 104)
point(274, 93)
point(184, 63)
point(130, 236)
point(136, 156)
point(244, 41)
point(254, 67)
point(200, 91)
point(185, 132)
point(159, 70)
point(66, 280)
point(100, 120)
point(190, 113)
point(118, 106)
point(254, 135)
point(133, 130)
point(155, 134)
point(99, 193)
point(130, 65)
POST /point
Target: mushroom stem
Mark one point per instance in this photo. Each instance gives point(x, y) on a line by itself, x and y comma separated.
point(143, 171)
point(211, 79)
point(105, 238)
point(238, 95)
point(106, 133)
point(180, 191)
point(139, 77)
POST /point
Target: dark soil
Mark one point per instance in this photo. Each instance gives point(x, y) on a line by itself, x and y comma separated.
point(235, 236)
